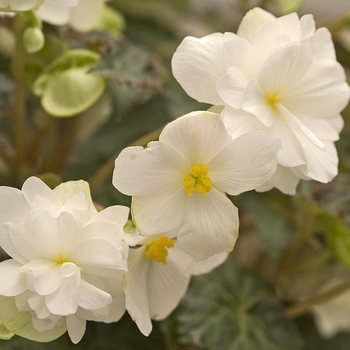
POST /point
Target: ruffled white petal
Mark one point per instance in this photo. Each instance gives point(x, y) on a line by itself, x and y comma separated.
point(65, 300)
point(252, 21)
point(246, 163)
point(210, 225)
point(33, 187)
point(13, 204)
point(12, 281)
point(198, 64)
point(91, 297)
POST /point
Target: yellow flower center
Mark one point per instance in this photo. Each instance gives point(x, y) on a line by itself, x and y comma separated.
point(158, 251)
point(273, 99)
point(198, 180)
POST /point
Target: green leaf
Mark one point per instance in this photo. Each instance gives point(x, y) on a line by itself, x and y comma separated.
point(71, 92)
point(271, 213)
point(233, 309)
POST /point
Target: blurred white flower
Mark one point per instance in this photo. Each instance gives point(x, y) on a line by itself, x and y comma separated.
point(68, 260)
point(277, 75)
point(158, 277)
point(83, 16)
point(181, 180)
point(25, 5)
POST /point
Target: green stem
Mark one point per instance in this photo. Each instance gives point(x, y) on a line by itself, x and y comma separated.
point(19, 114)
point(106, 170)
point(305, 306)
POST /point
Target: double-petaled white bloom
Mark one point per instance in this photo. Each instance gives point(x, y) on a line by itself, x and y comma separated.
point(158, 276)
point(180, 181)
point(68, 260)
point(278, 75)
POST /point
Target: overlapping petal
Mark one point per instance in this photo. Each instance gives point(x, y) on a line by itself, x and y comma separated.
point(210, 225)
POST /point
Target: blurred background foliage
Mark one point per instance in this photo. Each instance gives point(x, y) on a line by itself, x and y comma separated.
point(291, 250)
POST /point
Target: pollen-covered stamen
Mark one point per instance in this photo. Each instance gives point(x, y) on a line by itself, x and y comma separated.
point(158, 251)
point(198, 180)
point(273, 99)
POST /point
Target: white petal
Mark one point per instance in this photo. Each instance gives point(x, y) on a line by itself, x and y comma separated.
point(317, 97)
point(18, 245)
point(248, 162)
point(252, 21)
point(65, 300)
point(207, 265)
point(239, 122)
point(285, 68)
point(161, 212)
point(254, 102)
point(308, 26)
point(239, 53)
point(98, 253)
point(167, 283)
point(197, 137)
point(324, 44)
point(231, 87)
point(44, 235)
point(92, 298)
point(140, 171)
point(115, 213)
point(284, 179)
point(12, 281)
point(198, 64)
point(76, 328)
point(34, 187)
point(53, 14)
point(46, 273)
point(86, 15)
point(66, 3)
point(103, 230)
point(136, 290)
point(13, 204)
point(210, 225)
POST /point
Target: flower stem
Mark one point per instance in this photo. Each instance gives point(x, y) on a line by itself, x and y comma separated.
point(19, 114)
point(305, 306)
point(105, 171)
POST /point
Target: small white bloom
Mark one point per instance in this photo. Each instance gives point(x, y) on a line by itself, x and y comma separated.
point(83, 16)
point(278, 75)
point(68, 260)
point(158, 277)
point(181, 180)
point(25, 5)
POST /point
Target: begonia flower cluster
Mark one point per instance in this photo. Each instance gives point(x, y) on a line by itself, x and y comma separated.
point(278, 91)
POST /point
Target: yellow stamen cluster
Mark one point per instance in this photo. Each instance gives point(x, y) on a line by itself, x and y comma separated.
point(158, 251)
point(273, 99)
point(198, 180)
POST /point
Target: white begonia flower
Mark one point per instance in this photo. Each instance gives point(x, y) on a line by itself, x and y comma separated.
point(278, 75)
point(181, 180)
point(25, 5)
point(68, 260)
point(158, 277)
point(83, 16)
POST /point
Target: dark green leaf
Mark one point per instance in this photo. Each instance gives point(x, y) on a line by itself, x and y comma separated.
point(233, 309)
